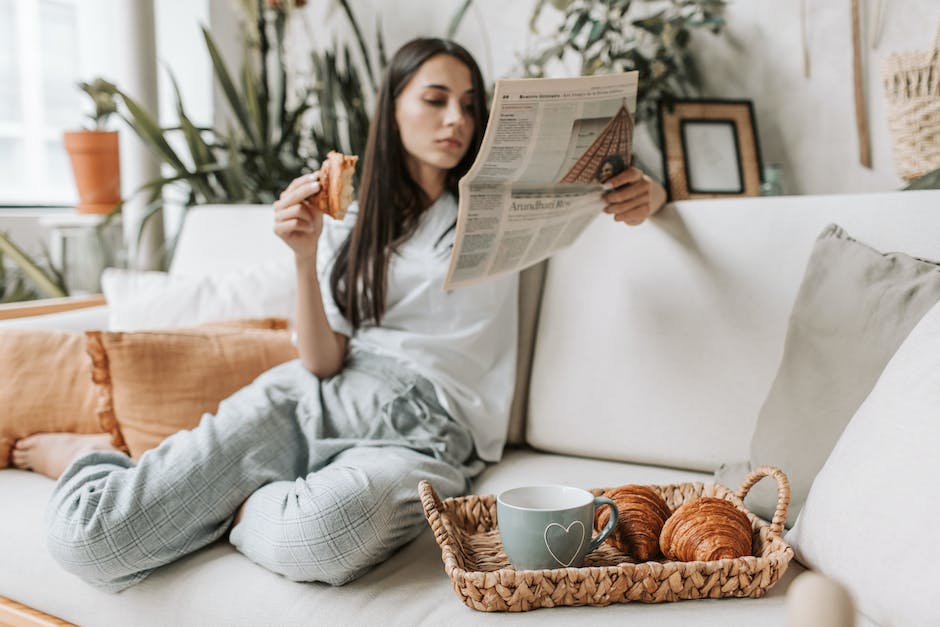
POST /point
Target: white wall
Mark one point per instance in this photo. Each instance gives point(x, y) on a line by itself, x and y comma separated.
point(808, 125)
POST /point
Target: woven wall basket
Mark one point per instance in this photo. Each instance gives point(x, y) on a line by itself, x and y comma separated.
point(466, 530)
point(912, 92)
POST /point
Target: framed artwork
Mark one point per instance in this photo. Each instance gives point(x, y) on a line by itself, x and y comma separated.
point(710, 148)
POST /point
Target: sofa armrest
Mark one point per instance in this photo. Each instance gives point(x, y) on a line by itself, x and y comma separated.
point(45, 306)
point(61, 314)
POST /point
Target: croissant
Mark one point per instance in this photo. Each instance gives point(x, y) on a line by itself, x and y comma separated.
point(706, 529)
point(642, 515)
point(335, 185)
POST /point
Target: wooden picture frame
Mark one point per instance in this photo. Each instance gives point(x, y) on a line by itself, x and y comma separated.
point(710, 148)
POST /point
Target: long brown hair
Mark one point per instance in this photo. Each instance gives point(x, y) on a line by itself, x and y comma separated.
point(390, 200)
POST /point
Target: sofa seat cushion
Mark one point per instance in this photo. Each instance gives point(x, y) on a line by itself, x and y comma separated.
point(218, 586)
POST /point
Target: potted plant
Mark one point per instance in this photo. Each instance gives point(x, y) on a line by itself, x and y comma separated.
point(94, 154)
point(650, 36)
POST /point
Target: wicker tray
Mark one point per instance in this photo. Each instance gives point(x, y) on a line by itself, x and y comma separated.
point(465, 528)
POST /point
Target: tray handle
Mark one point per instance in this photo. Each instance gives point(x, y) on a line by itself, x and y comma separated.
point(783, 493)
point(432, 505)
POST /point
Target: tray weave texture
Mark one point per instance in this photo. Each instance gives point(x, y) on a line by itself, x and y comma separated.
point(466, 530)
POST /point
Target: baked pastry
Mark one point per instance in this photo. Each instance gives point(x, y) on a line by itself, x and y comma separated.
point(642, 515)
point(336, 189)
point(706, 529)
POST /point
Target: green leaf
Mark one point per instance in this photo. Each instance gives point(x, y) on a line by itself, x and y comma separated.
point(254, 102)
point(683, 37)
point(579, 24)
point(198, 149)
point(931, 180)
point(290, 125)
point(46, 285)
point(597, 32)
point(150, 132)
point(225, 80)
point(326, 98)
point(653, 24)
point(535, 15)
point(281, 89)
point(362, 43)
point(380, 45)
point(457, 18)
point(232, 176)
point(263, 85)
point(153, 207)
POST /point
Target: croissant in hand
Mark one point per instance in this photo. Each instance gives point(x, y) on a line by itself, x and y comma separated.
point(706, 529)
point(642, 514)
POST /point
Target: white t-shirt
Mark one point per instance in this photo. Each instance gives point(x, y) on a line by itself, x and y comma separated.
point(463, 341)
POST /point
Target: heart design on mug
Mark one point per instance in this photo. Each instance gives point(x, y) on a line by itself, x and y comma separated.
point(564, 531)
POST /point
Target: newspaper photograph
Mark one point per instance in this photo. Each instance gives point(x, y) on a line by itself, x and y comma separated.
point(537, 181)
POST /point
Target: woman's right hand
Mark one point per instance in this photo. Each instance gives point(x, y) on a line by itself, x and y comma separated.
point(295, 220)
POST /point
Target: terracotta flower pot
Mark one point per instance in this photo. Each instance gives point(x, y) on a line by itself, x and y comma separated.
point(97, 168)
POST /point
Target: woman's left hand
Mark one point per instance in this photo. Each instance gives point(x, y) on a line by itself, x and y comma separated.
point(633, 196)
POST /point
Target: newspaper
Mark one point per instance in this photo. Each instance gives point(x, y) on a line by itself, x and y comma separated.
point(536, 182)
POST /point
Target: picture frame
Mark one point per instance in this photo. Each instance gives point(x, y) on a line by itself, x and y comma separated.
point(710, 148)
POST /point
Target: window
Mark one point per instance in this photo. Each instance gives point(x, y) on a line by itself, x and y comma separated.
point(48, 46)
point(39, 66)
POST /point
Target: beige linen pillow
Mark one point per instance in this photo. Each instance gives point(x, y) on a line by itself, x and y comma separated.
point(854, 308)
point(869, 517)
point(155, 383)
point(45, 386)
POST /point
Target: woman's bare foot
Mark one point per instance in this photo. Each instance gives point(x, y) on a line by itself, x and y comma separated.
point(51, 453)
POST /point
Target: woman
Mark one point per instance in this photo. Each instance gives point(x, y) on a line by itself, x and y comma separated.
point(314, 466)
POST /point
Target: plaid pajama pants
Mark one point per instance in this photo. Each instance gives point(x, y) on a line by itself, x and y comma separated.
point(329, 470)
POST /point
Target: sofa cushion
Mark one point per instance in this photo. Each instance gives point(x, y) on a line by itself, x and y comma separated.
point(657, 344)
point(854, 308)
point(152, 384)
point(217, 586)
point(156, 300)
point(32, 400)
point(216, 239)
point(71, 320)
point(869, 516)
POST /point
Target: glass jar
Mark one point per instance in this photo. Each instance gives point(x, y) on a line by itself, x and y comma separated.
point(772, 183)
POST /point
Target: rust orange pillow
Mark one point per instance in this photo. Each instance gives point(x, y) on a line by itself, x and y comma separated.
point(152, 384)
point(45, 386)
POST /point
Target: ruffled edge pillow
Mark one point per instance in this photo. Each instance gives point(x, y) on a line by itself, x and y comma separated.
point(151, 384)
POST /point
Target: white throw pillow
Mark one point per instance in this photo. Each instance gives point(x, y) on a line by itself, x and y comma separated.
point(870, 514)
point(120, 285)
point(156, 300)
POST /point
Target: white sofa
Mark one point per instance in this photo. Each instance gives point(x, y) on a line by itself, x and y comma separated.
point(654, 348)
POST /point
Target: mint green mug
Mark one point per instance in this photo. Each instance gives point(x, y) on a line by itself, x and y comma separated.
point(550, 526)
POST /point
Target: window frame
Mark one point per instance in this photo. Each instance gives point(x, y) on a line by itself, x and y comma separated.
point(33, 129)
